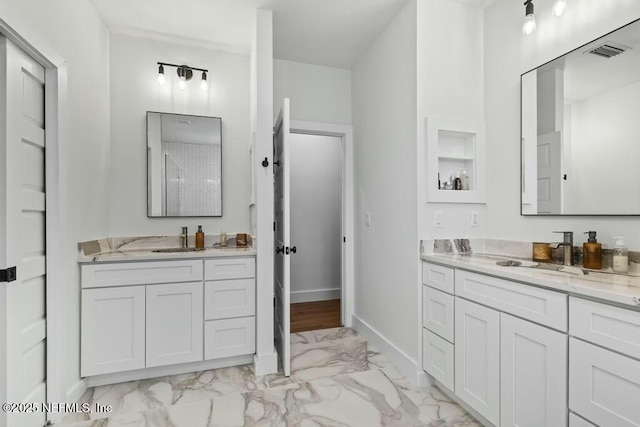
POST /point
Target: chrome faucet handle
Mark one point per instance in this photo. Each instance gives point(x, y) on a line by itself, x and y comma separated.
point(185, 237)
point(568, 236)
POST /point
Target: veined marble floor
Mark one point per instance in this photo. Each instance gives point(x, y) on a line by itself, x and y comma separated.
point(336, 380)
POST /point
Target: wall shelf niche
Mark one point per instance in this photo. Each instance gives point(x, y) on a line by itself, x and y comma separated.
point(454, 145)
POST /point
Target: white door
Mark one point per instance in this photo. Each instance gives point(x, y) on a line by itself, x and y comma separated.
point(175, 323)
point(533, 376)
point(549, 173)
point(113, 333)
point(22, 235)
point(477, 358)
point(282, 251)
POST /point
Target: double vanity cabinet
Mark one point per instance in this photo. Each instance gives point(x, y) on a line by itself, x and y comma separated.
point(521, 355)
point(173, 316)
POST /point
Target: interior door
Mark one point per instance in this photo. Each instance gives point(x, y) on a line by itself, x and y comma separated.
point(22, 236)
point(549, 173)
point(282, 252)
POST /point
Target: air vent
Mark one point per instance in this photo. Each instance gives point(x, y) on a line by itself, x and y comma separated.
point(608, 50)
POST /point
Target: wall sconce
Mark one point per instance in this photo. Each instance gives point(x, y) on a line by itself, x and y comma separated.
point(185, 73)
point(529, 26)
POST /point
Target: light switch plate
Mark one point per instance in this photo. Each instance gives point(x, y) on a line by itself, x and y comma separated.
point(437, 218)
point(475, 218)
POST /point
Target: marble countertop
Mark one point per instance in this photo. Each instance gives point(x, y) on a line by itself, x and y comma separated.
point(142, 249)
point(608, 287)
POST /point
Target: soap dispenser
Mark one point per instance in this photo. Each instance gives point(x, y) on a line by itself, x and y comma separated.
point(592, 252)
point(200, 238)
point(620, 256)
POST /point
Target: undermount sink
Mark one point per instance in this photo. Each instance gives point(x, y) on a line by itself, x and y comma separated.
point(551, 267)
point(169, 250)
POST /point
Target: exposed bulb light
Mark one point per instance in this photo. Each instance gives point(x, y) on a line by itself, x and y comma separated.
point(182, 84)
point(559, 6)
point(204, 86)
point(161, 78)
point(529, 26)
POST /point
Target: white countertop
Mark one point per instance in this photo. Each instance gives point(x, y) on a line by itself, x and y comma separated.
point(608, 287)
point(149, 255)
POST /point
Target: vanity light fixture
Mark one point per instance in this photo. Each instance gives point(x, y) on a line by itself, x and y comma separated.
point(185, 73)
point(529, 26)
point(559, 6)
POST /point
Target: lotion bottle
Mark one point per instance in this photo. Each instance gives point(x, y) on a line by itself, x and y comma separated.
point(620, 256)
point(592, 252)
point(200, 238)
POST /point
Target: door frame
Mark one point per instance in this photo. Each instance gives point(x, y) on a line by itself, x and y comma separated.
point(345, 133)
point(19, 32)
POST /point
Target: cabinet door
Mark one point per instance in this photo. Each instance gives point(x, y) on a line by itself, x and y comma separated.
point(604, 387)
point(533, 375)
point(112, 330)
point(477, 358)
point(175, 323)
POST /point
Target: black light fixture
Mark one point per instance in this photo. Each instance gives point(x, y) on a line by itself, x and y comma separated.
point(185, 73)
point(529, 26)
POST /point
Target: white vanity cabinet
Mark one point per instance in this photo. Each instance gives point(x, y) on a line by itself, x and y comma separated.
point(147, 318)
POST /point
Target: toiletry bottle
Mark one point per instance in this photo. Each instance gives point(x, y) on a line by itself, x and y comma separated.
point(200, 238)
point(592, 252)
point(620, 256)
point(464, 179)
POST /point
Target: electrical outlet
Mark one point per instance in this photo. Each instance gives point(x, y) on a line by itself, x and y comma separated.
point(367, 219)
point(475, 218)
point(437, 218)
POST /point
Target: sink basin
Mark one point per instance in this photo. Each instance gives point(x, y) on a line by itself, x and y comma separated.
point(170, 250)
point(551, 267)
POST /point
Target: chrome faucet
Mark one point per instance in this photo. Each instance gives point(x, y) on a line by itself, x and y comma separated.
point(568, 247)
point(185, 238)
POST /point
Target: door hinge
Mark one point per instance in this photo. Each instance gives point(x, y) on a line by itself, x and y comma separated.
point(8, 275)
point(344, 240)
point(274, 226)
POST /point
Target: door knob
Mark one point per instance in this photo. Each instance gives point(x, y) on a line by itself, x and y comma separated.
point(294, 250)
point(280, 249)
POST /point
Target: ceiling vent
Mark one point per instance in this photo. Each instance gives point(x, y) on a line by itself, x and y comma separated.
point(608, 49)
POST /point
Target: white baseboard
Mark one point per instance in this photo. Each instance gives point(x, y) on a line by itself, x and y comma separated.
point(409, 367)
point(315, 295)
point(72, 396)
point(266, 363)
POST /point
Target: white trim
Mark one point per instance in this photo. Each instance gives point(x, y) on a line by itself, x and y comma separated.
point(409, 367)
point(264, 363)
point(346, 133)
point(315, 295)
point(55, 109)
point(163, 371)
point(76, 391)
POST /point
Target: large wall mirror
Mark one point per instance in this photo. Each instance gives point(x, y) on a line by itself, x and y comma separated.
point(581, 130)
point(184, 165)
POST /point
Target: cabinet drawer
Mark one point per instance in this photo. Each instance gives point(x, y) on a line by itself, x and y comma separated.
point(437, 277)
point(229, 298)
point(611, 327)
point(437, 312)
point(538, 305)
point(229, 337)
point(576, 421)
point(140, 273)
point(229, 268)
point(437, 358)
point(604, 387)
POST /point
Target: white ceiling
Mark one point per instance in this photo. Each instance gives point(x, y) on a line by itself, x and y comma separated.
point(324, 32)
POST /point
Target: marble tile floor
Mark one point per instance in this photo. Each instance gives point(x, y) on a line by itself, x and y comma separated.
point(337, 379)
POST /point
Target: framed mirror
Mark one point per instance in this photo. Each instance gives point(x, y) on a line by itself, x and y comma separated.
point(580, 130)
point(184, 165)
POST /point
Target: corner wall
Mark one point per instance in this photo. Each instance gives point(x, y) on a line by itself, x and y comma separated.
point(384, 119)
point(508, 54)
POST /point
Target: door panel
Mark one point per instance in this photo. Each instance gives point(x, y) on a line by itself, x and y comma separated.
point(282, 238)
point(22, 234)
point(549, 171)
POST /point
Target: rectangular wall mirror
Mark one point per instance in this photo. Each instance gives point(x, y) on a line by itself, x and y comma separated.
point(184, 165)
point(580, 130)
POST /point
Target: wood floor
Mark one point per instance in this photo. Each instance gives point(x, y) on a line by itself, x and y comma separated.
point(310, 316)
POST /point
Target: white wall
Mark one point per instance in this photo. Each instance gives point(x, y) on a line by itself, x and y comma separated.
point(450, 84)
point(317, 93)
point(135, 90)
point(84, 149)
point(508, 54)
point(316, 193)
point(384, 119)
